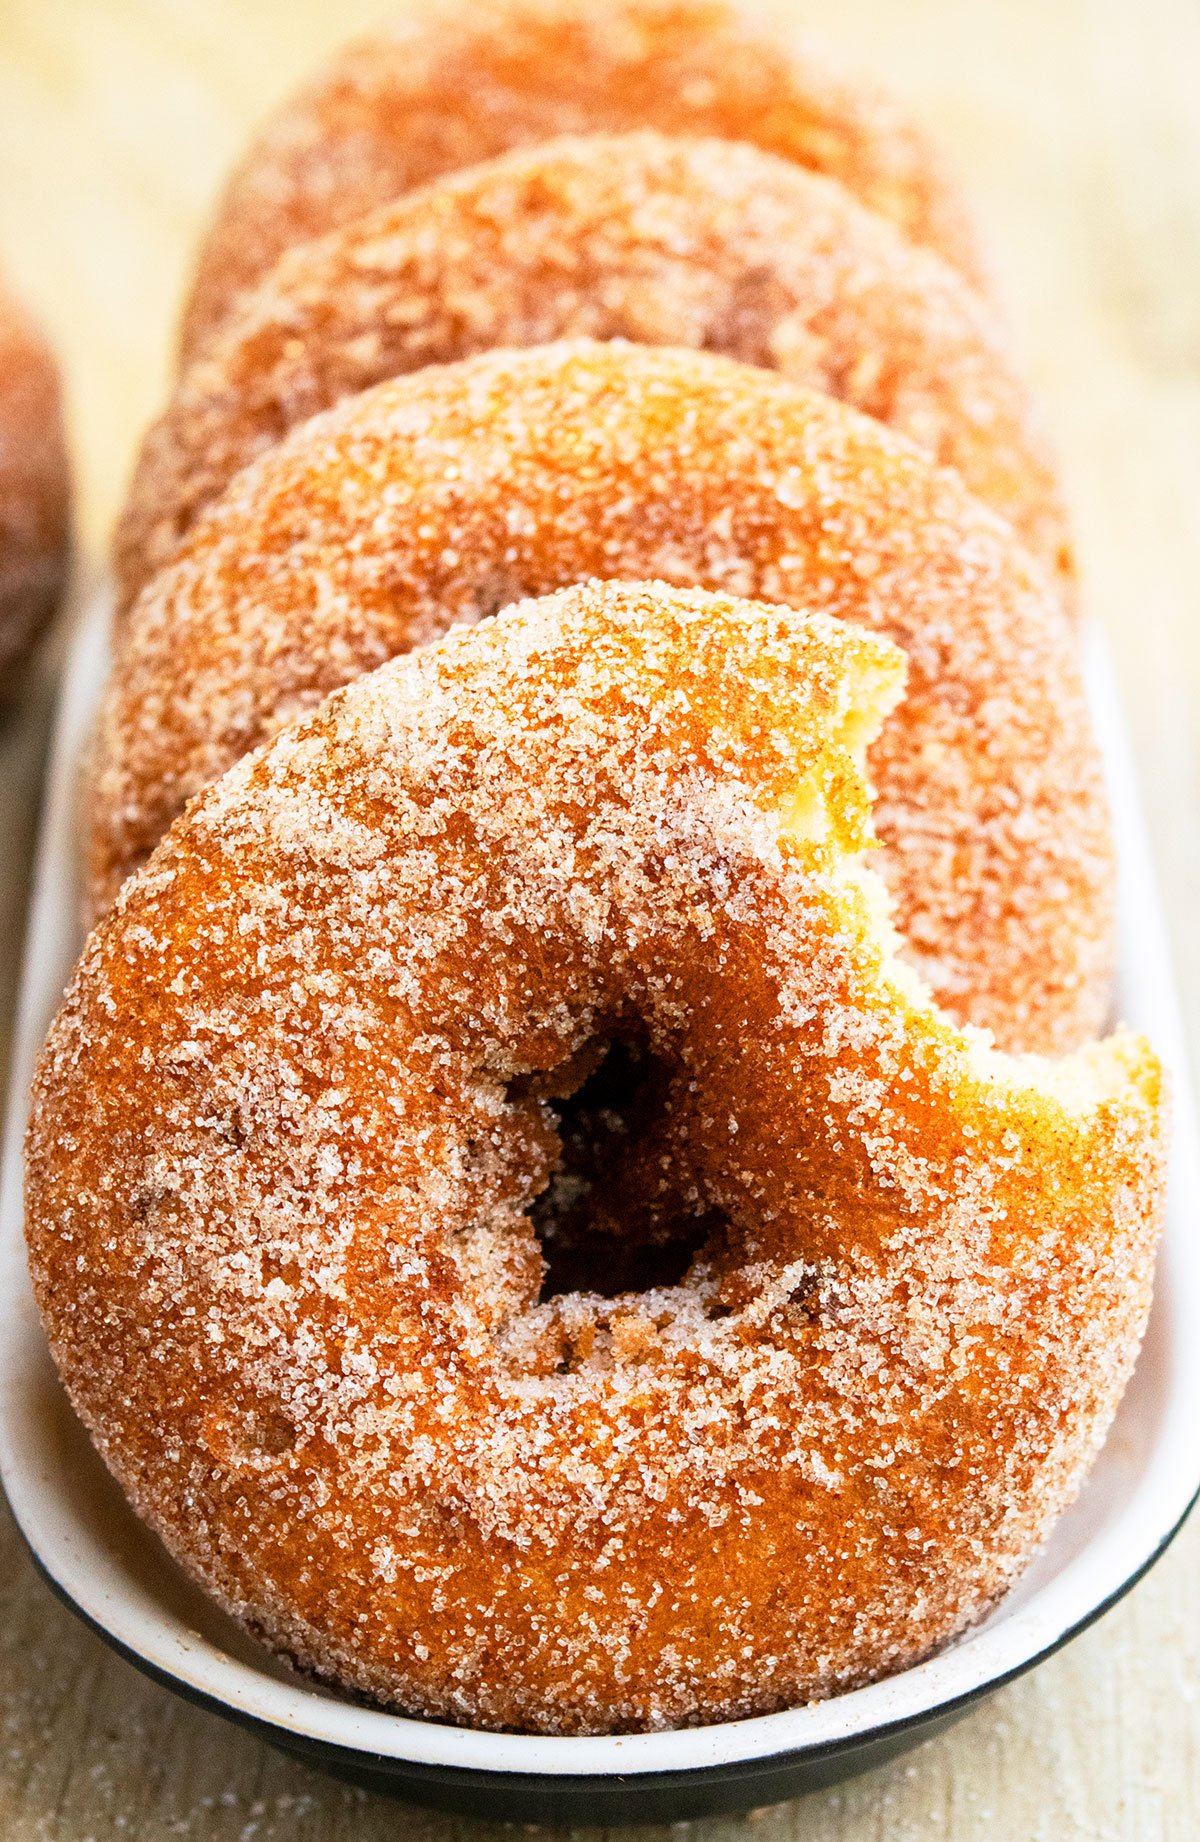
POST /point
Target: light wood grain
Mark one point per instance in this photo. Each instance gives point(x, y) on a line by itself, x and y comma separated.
point(1075, 125)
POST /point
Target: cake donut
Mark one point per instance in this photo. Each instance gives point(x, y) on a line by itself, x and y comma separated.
point(34, 485)
point(437, 498)
point(293, 1116)
point(635, 236)
point(453, 83)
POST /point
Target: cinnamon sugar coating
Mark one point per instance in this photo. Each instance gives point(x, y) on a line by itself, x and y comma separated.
point(451, 84)
point(288, 1128)
point(437, 498)
point(34, 485)
point(635, 236)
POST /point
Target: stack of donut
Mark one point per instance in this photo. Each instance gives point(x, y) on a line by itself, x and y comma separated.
point(575, 1184)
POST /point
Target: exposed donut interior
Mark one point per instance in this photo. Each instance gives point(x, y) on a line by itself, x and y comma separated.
point(618, 1214)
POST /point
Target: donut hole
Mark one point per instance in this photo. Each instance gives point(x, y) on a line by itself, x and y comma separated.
point(615, 1217)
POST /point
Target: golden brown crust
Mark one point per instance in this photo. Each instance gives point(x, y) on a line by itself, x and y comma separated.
point(34, 485)
point(286, 1133)
point(663, 241)
point(438, 497)
point(455, 83)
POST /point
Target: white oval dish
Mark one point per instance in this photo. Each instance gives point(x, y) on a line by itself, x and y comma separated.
point(100, 1559)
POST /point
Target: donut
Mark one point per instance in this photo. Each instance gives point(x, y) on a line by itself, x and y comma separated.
point(34, 486)
point(636, 236)
point(439, 497)
point(454, 83)
point(291, 1123)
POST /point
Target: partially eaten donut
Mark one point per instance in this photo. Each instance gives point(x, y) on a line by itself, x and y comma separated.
point(293, 1123)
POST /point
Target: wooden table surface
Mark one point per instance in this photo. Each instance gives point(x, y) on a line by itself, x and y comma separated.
point(1075, 126)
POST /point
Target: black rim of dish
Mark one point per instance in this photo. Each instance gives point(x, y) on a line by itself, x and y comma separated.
point(332, 1755)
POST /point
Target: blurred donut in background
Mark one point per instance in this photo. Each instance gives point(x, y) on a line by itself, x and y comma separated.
point(659, 239)
point(453, 84)
point(34, 486)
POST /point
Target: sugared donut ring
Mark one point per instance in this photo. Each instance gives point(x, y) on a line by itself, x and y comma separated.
point(34, 485)
point(287, 1130)
point(457, 83)
point(698, 243)
point(439, 497)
